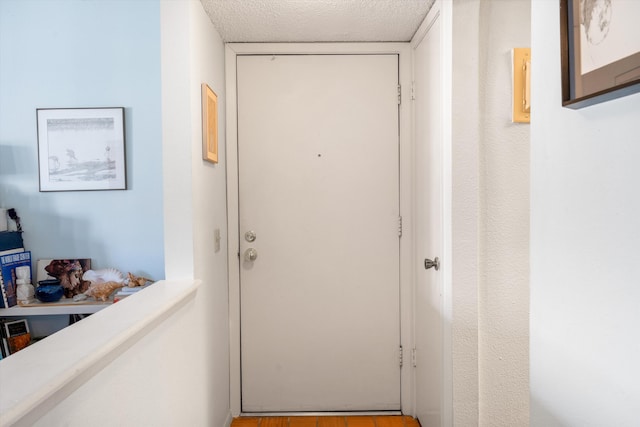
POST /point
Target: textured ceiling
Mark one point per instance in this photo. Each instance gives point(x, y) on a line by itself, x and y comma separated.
point(316, 20)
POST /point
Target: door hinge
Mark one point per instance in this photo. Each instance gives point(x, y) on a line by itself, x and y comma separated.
point(414, 359)
point(401, 356)
point(413, 91)
point(399, 226)
point(399, 94)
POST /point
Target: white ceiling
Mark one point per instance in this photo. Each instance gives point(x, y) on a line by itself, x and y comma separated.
point(316, 20)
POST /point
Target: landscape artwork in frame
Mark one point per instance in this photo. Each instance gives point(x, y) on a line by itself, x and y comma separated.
point(600, 47)
point(81, 149)
point(209, 124)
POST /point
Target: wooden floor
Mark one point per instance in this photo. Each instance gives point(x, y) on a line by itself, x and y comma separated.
point(349, 421)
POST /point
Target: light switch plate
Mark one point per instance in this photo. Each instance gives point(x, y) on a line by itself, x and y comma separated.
point(216, 238)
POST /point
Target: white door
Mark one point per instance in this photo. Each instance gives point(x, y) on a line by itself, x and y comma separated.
point(319, 189)
point(428, 168)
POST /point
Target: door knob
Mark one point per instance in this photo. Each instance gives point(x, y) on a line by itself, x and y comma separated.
point(429, 263)
point(250, 236)
point(250, 254)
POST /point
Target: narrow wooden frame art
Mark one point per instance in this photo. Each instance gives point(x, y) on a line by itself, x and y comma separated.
point(209, 124)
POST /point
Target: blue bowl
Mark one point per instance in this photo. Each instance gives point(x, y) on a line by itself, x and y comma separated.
point(49, 293)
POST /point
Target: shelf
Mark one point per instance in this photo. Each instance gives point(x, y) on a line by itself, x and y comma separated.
point(64, 306)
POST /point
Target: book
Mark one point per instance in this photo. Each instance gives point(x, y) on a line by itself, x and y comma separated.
point(17, 335)
point(4, 348)
point(11, 251)
point(4, 345)
point(10, 240)
point(124, 292)
point(8, 264)
point(3, 294)
point(132, 290)
point(119, 297)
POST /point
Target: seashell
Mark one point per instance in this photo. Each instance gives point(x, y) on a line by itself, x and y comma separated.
point(102, 290)
point(104, 275)
point(79, 297)
point(134, 281)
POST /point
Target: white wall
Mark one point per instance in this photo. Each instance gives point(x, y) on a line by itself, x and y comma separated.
point(78, 53)
point(210, 213)
point(195, 194)
point(464, 206)
point(71, 53)
point(503, 297)
point(149, 384)
point(131, 364)
point(585, 229)
point(490, 214)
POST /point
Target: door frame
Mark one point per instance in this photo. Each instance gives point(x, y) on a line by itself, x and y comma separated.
point(403, 50)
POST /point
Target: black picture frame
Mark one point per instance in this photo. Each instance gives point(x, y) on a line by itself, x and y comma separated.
point(612, 80)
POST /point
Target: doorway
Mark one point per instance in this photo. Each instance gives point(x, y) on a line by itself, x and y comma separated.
point(274, 55)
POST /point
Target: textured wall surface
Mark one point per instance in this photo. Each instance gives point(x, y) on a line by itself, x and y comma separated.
point(465, 205)
point(585, 229)
point(490, 218)
point(504, 222)
point(314, 20)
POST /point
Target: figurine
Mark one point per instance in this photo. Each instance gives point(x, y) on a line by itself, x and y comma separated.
point(102, 290)
point(25, 290)
point(134, 281)
point(102, 283)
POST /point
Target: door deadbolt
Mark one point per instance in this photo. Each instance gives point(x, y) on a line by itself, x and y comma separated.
point(429, 263)
point(250, 236)
point(250, 254)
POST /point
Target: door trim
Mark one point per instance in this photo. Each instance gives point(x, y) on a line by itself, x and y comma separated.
point(403, 50)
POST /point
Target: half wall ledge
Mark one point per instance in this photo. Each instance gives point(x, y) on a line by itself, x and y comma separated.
point(42, 375)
